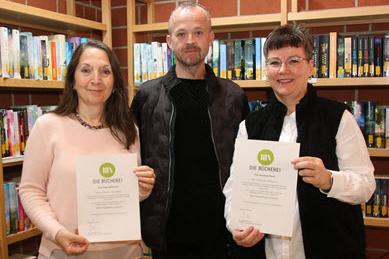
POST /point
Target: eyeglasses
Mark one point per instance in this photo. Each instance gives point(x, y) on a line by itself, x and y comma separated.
point(291, 62)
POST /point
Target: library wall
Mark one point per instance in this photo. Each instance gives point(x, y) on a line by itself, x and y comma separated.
point(377, 244)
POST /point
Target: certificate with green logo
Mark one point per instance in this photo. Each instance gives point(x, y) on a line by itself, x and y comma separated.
point(108, 198)
point(264, 186)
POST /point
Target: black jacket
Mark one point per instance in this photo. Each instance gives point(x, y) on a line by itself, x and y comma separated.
point(331, 229)
point(155, 115)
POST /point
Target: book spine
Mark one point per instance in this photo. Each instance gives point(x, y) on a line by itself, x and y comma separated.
point(333, 55)
point(341, 58)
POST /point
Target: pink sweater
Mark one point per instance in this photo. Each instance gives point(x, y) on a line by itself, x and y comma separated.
point(48, 186)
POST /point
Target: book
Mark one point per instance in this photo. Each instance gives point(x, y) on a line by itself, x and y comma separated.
point(223, 59)
point(258, 58)
point(238, 60)
point(378, 56)
point(341, 58)
point(249, 57)
point(137, 64)
point(370, 122)
point(379, 127)
point(324, 55)
point(316, 56)
point(354, 56)
point(216, 56)
point(386, 55)
point(347, 57)
point(332, 66)
point(230, 59)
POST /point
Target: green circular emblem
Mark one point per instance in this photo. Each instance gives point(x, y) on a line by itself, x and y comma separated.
point(265, 157)
point(107, 170)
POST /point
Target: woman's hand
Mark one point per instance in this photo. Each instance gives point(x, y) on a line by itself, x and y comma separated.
point(146, 180)
point(313, 172)
point(248, 237)
point(72, 244)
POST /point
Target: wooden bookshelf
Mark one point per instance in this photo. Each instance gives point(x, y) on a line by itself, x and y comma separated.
point(14, 238)
point(37, 18)
point(354, 82)
point(12, 161)
point(379, 152)
point(341, 16)
point(246, 21)
point(10, 83)
point(376, 222)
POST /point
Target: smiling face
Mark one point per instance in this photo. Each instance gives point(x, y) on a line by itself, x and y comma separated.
point(190, 36)
point(289, 81)
point(93, 78)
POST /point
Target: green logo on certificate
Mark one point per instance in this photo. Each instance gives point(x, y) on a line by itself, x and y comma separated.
point(265, 157)
point(107, 170)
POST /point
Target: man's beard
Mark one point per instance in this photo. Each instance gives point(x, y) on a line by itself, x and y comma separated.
point(193, 61)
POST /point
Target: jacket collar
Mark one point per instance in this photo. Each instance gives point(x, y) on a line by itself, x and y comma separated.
point(170, 80)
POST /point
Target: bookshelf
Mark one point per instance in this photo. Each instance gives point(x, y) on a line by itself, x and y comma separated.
point(25, 16)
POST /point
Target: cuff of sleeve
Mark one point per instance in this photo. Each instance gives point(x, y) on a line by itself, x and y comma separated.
point(53, 232)
point(336, 184)
point(332, 184)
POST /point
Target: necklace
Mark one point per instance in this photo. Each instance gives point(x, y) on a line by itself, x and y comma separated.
point(86, 124)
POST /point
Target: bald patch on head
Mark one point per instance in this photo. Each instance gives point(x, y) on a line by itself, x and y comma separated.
point(187, 9)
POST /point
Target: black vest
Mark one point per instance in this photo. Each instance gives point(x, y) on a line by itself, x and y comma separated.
point(331, 229)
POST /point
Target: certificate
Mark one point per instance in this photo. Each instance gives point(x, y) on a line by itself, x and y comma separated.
point(264, 186)
point(108, 198)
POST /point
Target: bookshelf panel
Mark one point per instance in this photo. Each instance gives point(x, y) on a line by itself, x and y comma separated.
point(379, 152)
point(12, 161)
point(221, 22)
point(23, 235)
point(367, 14)
point(52, 21)
point(376, 222)
point(30, 84)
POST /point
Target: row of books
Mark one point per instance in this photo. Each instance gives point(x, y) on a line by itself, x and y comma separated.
point(15, 126)
point(334, 57)
point(15, 216)
point(373, 120)
point(44, 57)
point(377, 206)
point(151, 61)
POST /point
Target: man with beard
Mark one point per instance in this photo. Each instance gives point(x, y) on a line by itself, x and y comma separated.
point(188, 120)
